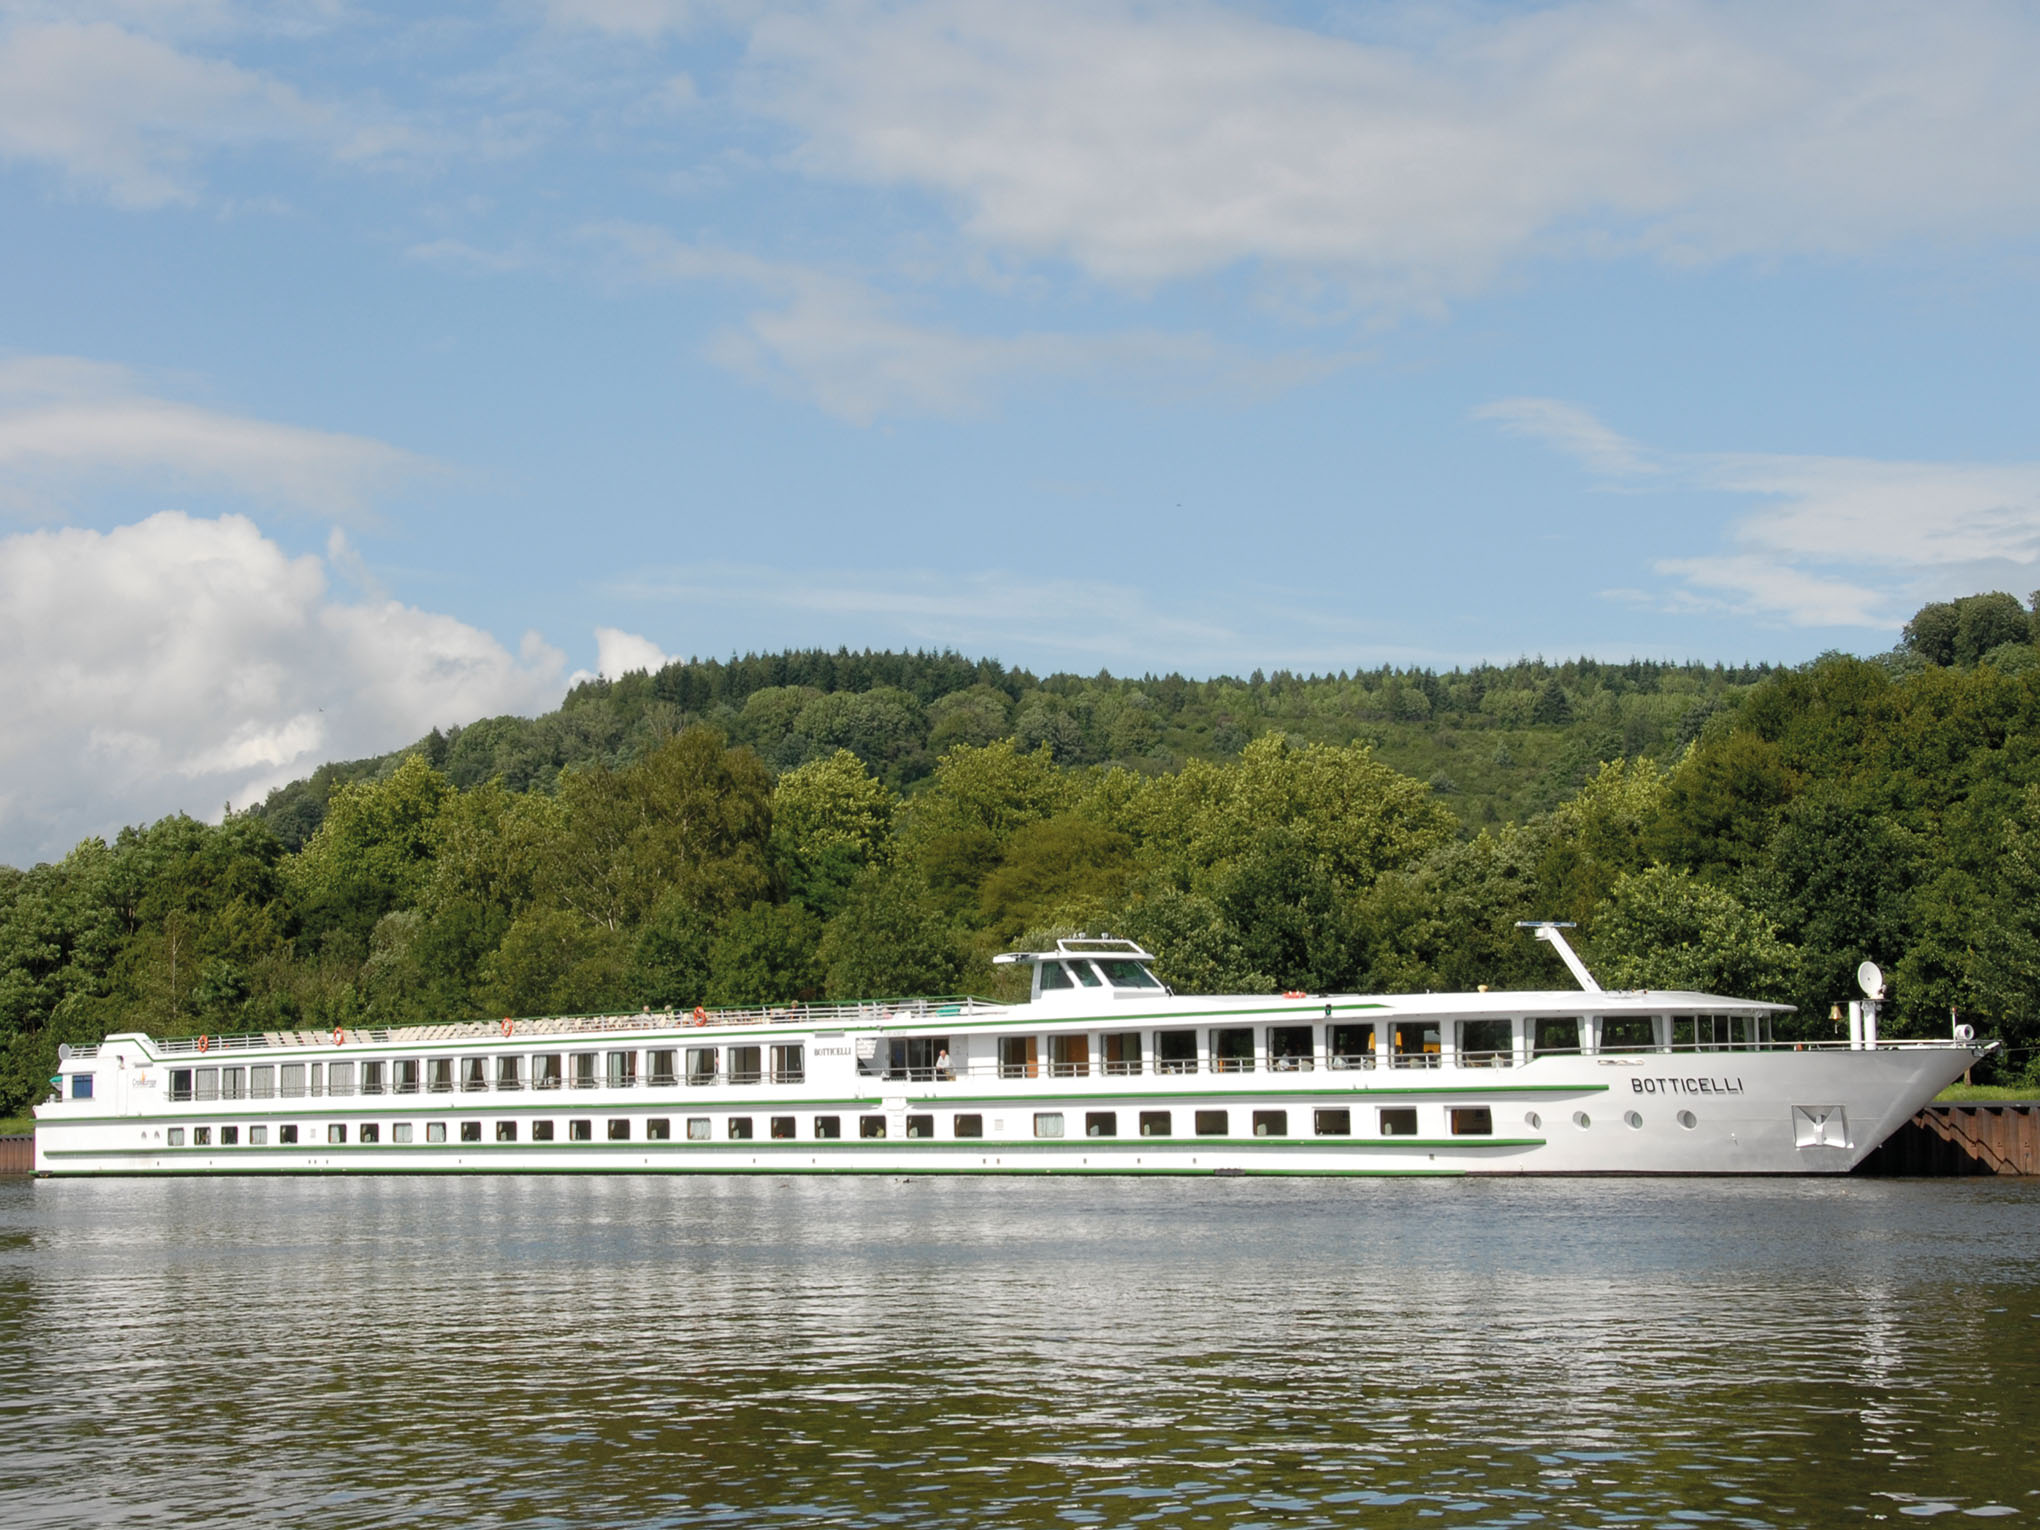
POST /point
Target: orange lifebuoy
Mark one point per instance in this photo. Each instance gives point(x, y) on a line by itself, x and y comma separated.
point(203, 1043)
point(339, 1036)
point(700, 1015)
point(1294, 993)
point(507, 1026)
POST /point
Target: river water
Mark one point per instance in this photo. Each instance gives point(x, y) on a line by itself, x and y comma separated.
point(1054, 1352)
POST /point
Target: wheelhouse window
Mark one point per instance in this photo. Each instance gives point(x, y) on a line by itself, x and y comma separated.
point(1271, 1123)
point(1555, 1037)
point(1069, 1056)
point(1122, 1053)
point(1155, 1123)
point(81, 1086)
point(622, 1071)
point(1398, 1120)
point(509, 1072)
point(967, 1126)
point(1212, 1123)
point(1290, 1048)
point(1332, 1122)
point(1232, 1049)
point(1101, 1123)
point(1017, 1057)
point(1121, 973)
point(1055, 978)
point(662, 1068)
point(1485, 1044)
point(1085, 974)
point(1471, 1121)
point(703, 1064)
point(1628, 1033)
point(789, 1063)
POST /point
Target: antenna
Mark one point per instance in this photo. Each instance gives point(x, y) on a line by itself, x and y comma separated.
point(1870, 978)
point(1547, 930)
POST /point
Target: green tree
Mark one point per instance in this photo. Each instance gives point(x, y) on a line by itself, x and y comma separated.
point(1665, 928)
point(891, 940)
point(766, 954)
point(830, 819)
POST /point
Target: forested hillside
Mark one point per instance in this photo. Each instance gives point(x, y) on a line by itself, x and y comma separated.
point(843, 825)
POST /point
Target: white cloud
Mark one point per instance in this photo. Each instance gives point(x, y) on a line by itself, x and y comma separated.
point(617, 653)
point(1836, 541)
point(178, 663)
point(1150, 142)
point(66, 422)
point(846, 347)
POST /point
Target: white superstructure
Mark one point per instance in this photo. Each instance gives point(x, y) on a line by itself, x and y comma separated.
point(1101, 1071)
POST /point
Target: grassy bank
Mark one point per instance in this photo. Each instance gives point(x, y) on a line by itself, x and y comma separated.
point(1971, 1094)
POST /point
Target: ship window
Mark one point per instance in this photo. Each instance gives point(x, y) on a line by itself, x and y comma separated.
point(1351, 1046)
point(619, 1130)
point(582, 1073)
point(740, 1129)
point(661, 1069)
point(407, 1075)
point(231, 1080)
point(920, 1126)
point(506, 1131)
point(435, 1131)
point(1121, 973)
point(1048, 1123)
point(1582, 1120)
point(1399, 1121)
point(1633, 1119)
point(1271, 1123)
point(439, 1075)
point(1332, 1123)
point(400, 1131)
point(1154, 1123)
point(789, 1063)
point(316, 1069)
point(286, 1136)
point(1688, 1120)
point(967, 1126)
point(339, 1078)
point(81, 1086)
point(370, 1132)
point(871, 1126)
point(258, 1136)
point(1484, 1044)
point(699, 1129)
point(782, 1128)
point(471, 1131)
point(1053, 977)
point(828, 1128)
point(509, 1073)
point(1017, 1057)
point(1628, 1033)
point(541, 1131)
point(1416, 1043)
point(1554, 1036)
point(918, 1057)
point(176, 1137)
point(208, 1081)
point(201, 1136)
point(1069, 1056)
point(1101, 1123)
point(545, 1071)
point(474, 1074)
point(1085, 974)
point(1122, 1052)
point(1289, 1048)
point(262, 1082)
point(180, 1084)
point(371, 1077)
point(336, 1134)
point(580, 1131)
point(1471, 1121)
point(1212, 1123)
point(701, 1065)
point(622, 1070)
point(1175, 1051)
point(1232, 1049)
point(230, 1136)
point(293, 1081)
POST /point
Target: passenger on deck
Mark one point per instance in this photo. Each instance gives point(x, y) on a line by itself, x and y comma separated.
point(942, 1064)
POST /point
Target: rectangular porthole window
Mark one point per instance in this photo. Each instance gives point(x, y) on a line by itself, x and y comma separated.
point(175, 1136)
point(541, 1131)
point(81, 1086)
point(1212, 1123)
point(619, 1131)
point(698, 1129)
point(258, 1136)
point(1399, 1121)
point(286, 1136)
point(580, 1131)
point(370, 1132)
point(782, 1128)
point(1271, 1123)
point(201, 1136)
point(1472, 1121)
point(1101, 1123)
point(1048, 1123)
point(740, 1128)
point(920, 1126)
point(230, 1136)
point(659, 1129)
point(471, 1131)
point(828, 1128)
point(1155, 1123)
point(871, 1126)
point(400, 1131)
point(1332, 1123)
point(506, 1131)
point(435, 1131)
point(968, 1126)
point(336, 1134)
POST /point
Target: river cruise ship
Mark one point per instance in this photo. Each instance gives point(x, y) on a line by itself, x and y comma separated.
point(1102, 1070)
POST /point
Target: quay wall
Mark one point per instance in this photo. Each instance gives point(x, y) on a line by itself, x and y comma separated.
point(1971, 1137)
point(17, 1155)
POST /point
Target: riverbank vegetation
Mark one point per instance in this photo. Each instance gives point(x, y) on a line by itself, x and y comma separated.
point(811, 825)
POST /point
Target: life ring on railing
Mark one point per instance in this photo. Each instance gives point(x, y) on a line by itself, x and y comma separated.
point(204, 1042)
point(339, 1036)
point(700, 1015)
point(1294, 993)
point(508, 1028)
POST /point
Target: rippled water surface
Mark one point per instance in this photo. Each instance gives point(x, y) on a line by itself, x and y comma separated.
point(1022, 1352)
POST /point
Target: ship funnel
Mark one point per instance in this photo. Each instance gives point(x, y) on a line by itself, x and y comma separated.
point(1547, 930)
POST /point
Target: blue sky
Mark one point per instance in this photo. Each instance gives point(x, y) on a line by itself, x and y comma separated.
point(366, 368)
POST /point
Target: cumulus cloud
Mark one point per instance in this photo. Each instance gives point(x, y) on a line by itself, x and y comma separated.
point(1835, 541)
point(617, 653)
point(1418, 157)
point(179, 663)
point(67, 422)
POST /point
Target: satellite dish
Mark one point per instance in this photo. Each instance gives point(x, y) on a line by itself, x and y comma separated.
point(63, 1051)
point(1870, 978)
